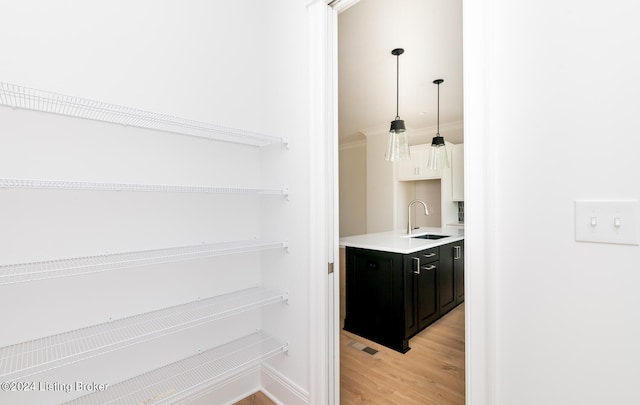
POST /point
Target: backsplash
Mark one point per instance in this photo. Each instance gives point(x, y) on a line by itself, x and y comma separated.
point(429, 192)
point(460, 211)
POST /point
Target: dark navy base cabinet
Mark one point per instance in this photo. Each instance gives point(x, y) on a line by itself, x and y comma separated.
point(391, 296)
point(375, 297)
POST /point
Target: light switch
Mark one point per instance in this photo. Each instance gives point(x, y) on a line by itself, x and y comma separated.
point(608, 221)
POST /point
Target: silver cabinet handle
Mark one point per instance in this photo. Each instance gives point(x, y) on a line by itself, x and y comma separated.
point(416, 267)
point(430, 255)
point(457, 251)
point(430, 267)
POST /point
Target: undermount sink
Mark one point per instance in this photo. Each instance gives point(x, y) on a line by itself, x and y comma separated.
point(430, 236)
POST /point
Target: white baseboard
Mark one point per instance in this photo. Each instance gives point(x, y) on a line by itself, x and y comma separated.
point(265, 378)
point(281, 389)
point(229, 391)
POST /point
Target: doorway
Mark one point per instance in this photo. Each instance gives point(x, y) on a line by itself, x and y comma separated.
point(416, 108)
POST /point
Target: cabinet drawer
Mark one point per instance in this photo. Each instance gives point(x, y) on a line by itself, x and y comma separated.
point(428, 255)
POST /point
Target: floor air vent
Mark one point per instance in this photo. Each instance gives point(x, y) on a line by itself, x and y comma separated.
point(363, 347)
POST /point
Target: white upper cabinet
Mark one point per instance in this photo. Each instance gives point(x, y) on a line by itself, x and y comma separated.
point(457, 172)
point(416, 168)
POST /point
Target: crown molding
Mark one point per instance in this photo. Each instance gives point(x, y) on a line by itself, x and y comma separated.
point(337, 5)
point(340, 5)
point(353, 144)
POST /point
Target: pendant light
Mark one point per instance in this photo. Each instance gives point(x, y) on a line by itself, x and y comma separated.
point(438, 158)
point(398, 145)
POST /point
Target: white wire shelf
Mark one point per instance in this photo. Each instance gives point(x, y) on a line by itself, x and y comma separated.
point(39, 100)
point(32, 357)
point(183, 378)
point(160, 188)
point(26, 272)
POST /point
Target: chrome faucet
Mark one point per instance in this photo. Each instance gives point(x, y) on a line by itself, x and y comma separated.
point(426, 212)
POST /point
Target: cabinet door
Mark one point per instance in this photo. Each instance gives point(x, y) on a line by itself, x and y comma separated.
point(421, 300)
point(411, 269)
point(424, 173)
point(416, 167)
point(426, 285)
point(374, 297)
point(446, 280)
point(458, 270)
point(407, 168)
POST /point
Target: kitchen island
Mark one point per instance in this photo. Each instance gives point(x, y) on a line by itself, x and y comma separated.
point(398, 285)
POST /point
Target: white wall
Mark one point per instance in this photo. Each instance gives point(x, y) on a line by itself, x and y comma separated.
point(353, 188)
point(212, 61)
point(380, 184)
point(560, 124)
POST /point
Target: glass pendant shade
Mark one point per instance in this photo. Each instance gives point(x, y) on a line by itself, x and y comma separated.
point(398, 145)
point(438, 158)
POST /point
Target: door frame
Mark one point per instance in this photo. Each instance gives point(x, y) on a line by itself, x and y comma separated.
point(324, 288)
point(479, 154)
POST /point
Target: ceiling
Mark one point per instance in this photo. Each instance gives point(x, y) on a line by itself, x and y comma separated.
point(430, 32)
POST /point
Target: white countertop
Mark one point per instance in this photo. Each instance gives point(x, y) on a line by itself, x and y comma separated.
point(398, 242)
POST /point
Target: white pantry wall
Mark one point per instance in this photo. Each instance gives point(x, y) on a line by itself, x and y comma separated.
point(159, 56)
point(286, 87)
point(561, 124)
point(241, 64)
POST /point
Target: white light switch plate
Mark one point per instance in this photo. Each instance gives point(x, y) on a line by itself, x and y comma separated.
point(608, 221)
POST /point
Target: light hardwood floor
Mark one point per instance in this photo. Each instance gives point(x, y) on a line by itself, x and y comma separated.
point(432, 372)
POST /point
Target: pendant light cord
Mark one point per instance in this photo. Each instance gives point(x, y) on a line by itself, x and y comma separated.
point(397, 86)
point(438, 109)
point(438, 82)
